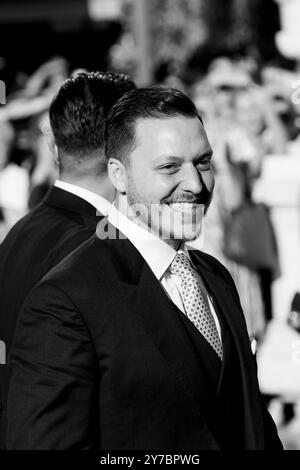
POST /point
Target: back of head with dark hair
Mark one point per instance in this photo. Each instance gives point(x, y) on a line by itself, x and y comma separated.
point(155, 102)
point(77, 118)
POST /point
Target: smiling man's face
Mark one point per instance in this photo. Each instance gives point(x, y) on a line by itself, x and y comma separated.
point(169, 177)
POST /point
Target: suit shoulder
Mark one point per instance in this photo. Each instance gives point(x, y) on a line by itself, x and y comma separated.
point(36, 218)
point(45, 225)
point(98, 263)
point(20, 224)
point(84, 259)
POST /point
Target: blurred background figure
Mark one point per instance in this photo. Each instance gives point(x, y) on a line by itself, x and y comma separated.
point(240, 62)
point(28, 167)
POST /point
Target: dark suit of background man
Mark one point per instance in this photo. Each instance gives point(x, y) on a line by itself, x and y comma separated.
point(67, 216)
point(137, 342)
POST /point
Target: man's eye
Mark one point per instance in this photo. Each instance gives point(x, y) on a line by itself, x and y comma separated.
point(204, 165)
point(169, 167)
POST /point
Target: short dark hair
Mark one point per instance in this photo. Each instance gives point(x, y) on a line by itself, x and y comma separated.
point(153, 102)
point(77, 118)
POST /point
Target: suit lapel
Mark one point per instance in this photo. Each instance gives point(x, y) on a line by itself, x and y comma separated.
point(228, 304)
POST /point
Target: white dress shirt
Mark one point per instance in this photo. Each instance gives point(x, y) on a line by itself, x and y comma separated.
point(159, 256)
point(100, 203)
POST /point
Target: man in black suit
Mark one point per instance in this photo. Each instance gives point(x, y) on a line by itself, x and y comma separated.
point(72, 208)
point(139, 342)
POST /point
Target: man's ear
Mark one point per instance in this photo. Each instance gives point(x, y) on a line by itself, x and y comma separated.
point(54, 149)
point(117, 174)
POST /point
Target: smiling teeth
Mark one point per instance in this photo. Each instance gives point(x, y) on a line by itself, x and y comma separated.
point(182, 205)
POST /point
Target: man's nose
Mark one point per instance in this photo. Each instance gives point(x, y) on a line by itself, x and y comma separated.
point(191, 180)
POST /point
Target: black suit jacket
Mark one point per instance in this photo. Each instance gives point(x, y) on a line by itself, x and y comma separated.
point(33, 246)
point(111, 364)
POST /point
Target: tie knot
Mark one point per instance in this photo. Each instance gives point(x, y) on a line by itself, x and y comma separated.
point(180, 265)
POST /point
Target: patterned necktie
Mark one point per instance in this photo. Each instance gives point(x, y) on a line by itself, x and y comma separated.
point(195, 305)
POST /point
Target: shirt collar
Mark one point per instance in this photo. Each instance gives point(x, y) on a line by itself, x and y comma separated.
point(156, 252)
point(100, 203)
